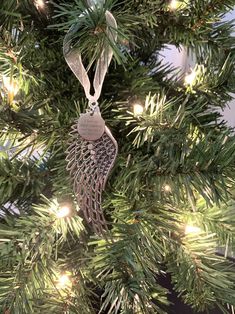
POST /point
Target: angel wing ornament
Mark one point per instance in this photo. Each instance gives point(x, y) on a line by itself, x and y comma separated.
point(91, 154)
point(92, 149)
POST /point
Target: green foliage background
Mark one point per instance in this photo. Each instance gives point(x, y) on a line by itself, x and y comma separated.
point(179, 142)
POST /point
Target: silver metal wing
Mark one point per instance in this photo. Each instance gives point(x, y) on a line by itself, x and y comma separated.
point(89, 164)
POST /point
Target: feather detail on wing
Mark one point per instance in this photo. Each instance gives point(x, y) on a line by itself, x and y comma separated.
point(89, 164)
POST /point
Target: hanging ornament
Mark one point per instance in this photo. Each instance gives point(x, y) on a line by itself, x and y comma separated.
point(92, 148)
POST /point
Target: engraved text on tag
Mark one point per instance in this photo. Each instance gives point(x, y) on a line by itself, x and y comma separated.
point(91, 127)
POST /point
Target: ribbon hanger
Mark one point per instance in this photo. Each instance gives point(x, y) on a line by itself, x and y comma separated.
point(74, 60)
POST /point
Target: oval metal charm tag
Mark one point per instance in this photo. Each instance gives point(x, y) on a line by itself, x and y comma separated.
point(91, 126)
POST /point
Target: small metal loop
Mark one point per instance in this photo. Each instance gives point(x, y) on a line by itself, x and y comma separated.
point(93, 105)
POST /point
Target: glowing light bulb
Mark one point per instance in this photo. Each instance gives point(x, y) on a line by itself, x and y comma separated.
point(174, 4)
point(10, 85)
point(167, 188)
point(192, 229)
point(190, 78)
point(138, 109)
point(64, 282)
point(63, 212)
point(40, 4)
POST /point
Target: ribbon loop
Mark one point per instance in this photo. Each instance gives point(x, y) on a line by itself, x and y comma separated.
point(74, 59)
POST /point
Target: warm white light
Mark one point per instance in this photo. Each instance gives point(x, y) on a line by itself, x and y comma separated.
point(192, 229)
point(64, 282)
point(190, 78)
point(174, 4)
point(40, 4)
point(138, 109)
point(10, 85)
point(63, 212)
point(167, 188)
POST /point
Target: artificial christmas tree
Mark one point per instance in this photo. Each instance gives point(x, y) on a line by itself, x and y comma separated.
point(168, 201)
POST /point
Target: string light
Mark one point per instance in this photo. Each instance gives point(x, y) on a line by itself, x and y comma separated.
point(190, 78)
point(64, 282)
point(63, 212)
point(174, 4)
point(189, 229)
point(10, 85)
point(40, 4)
point(167, 188)
point(138, 109)
point(177, 5)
